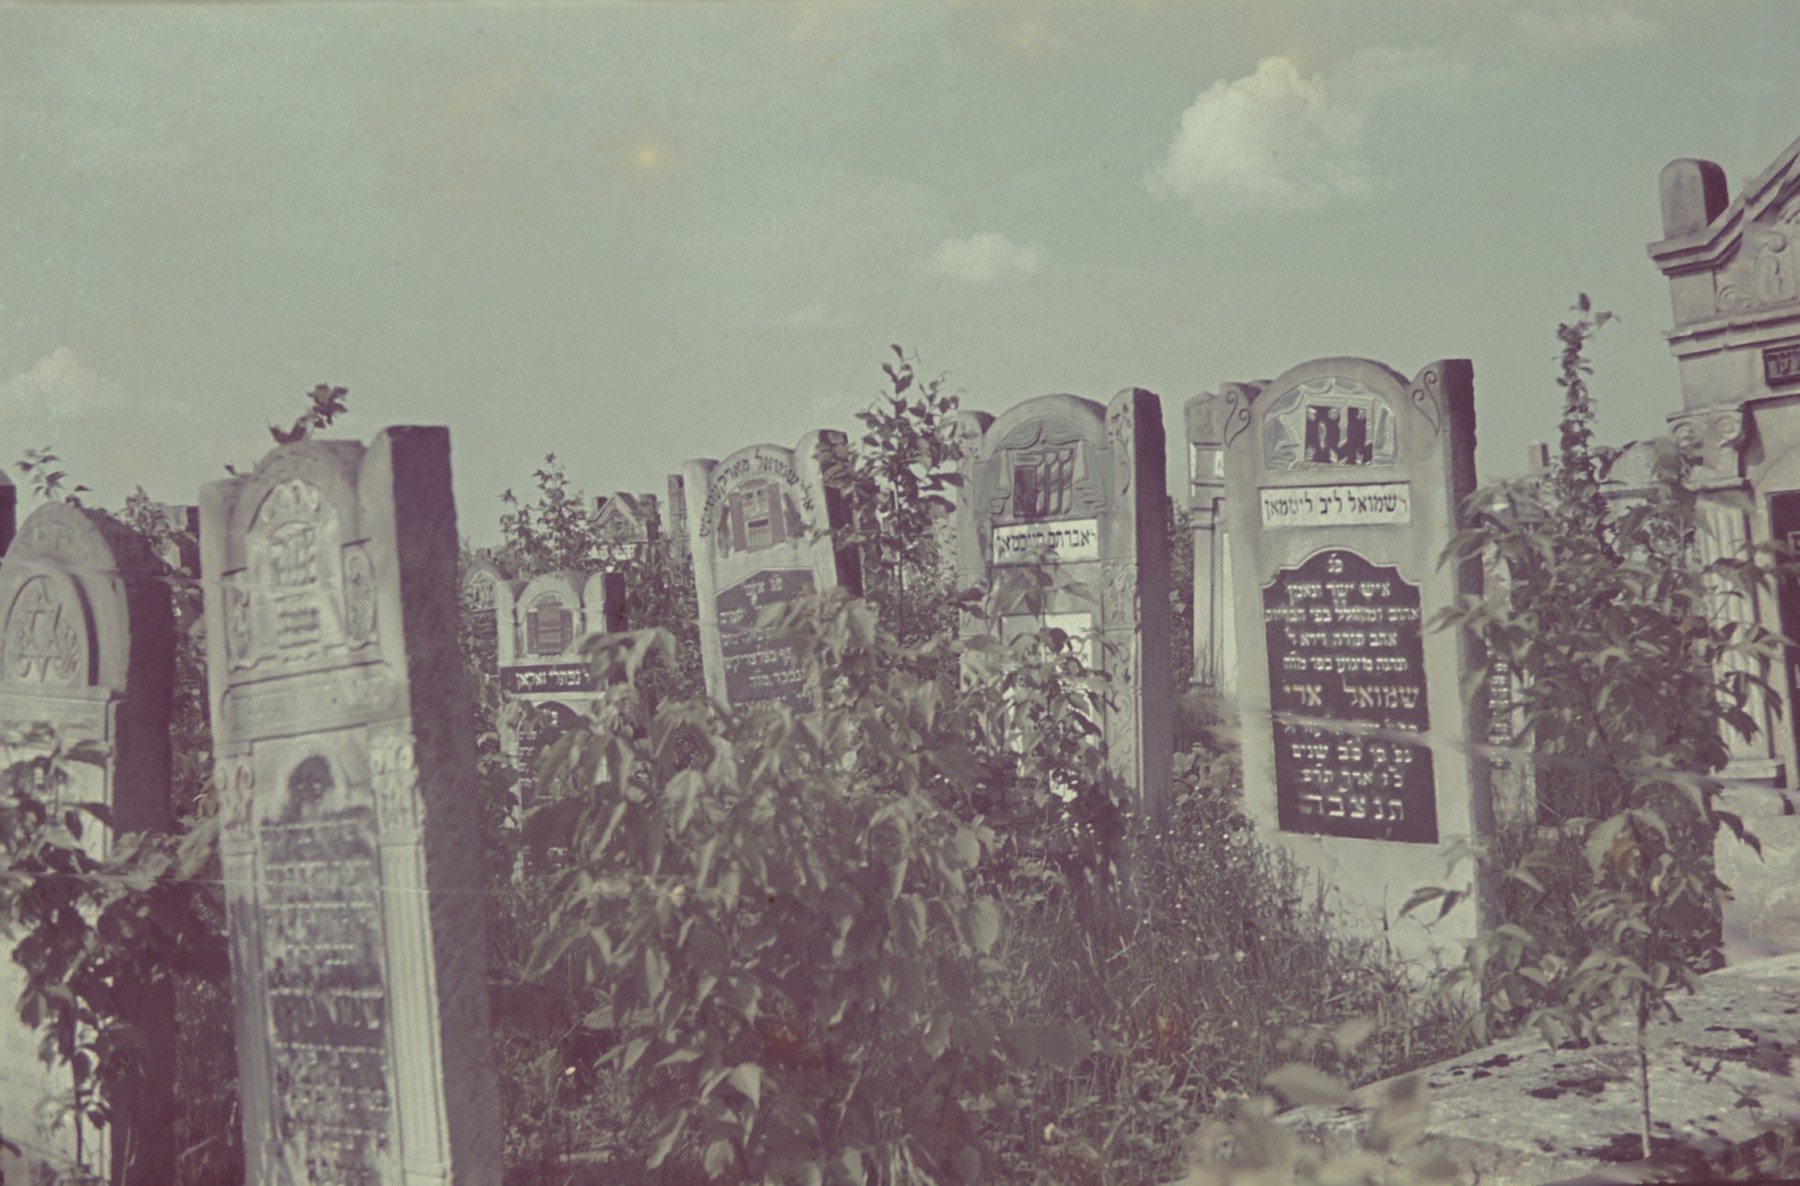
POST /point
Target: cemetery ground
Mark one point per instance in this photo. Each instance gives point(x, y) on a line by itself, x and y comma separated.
point(906, 930)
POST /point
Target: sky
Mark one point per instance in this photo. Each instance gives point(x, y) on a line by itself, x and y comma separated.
point(634, 234)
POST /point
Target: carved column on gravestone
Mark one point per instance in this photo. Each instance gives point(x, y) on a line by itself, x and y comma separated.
point(1716, 436)
point(349, 837)
point(1215, 644)
point(87, 646)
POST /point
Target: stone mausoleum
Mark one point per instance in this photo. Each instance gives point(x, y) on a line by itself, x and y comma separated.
point(1734, 284)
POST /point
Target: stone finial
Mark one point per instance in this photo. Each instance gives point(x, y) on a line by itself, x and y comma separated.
point(1694, 193)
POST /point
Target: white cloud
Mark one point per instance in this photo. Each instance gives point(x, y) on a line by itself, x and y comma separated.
point(1277, 140)
point(1585, 27)
point(983, 260)
point(59, 386)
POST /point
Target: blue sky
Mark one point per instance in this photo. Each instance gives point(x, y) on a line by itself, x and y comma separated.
point(635, 234)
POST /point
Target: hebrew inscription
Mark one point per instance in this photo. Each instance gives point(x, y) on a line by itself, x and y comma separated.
point(1345, 643)
point(758, 668)
point(1359, 505)
point(327, 1004)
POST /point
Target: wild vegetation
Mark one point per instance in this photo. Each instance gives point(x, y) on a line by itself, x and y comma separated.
point(877, 942)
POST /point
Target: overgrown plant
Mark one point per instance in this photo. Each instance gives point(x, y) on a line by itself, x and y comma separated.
point(788, 936)
point(1611, 625)
point(101, 933)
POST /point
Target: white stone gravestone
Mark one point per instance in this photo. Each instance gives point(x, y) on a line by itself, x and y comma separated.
point(1343, 485)
point(87, 646)
point(763, 529)
point(1078, 486)
point(350, 843)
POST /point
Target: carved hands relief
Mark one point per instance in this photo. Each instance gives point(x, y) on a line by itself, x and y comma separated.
point(44, 638)
point(1330, 421)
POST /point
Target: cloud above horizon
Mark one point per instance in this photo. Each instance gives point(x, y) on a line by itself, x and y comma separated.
point(1578, 28)
point(1278, 141)
point(984, 260)
point(59, 386)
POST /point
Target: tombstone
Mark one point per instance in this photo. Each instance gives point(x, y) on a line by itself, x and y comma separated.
point(626, 524)
point(349, 837)
point(1215, 634)
point(540, 626)
point(1734, 287)
point(9, 510)
point(763, 529)
point(1343, 483)
point(480, 584)
point(677, 534)
point(89, 648)
point(1067, 482)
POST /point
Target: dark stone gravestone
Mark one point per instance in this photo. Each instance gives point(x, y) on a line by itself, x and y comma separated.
point(763, 530)
point(349, 837)
point(1343, 483)
point(87, 646)
point(1067, 483)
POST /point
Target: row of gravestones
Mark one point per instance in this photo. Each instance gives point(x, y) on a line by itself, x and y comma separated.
point(341, 720)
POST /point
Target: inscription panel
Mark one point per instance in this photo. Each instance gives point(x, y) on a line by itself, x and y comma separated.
point(1351, 505)
point(326, 1001)
point(1345, 642)
point(758, 668)
point(529, 680)
point(1029, 543)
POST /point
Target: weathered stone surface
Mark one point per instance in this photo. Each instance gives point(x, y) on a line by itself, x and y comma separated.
point(763, 528)
point(1518, 1113)
point(541, 625)
point(87, 645)
point(349, 839)
point(1343, 482)
point(1734, 286)
point(1080, 487)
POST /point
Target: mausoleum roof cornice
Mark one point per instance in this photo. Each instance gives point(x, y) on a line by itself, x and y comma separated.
point(1705, 249)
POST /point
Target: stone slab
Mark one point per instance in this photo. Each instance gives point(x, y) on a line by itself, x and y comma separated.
point(87, 645)
point(349, 837)
point(1518, 1113)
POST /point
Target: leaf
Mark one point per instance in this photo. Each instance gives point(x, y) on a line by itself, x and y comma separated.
point(747, 1078)
point(1302, 1083)
point(983, 922)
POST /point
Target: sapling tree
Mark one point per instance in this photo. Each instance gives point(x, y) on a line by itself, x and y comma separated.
point(1609, 625)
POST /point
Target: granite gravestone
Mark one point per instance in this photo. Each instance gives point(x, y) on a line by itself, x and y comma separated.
point(87, 646)
point(349, 836)
point(540, 625)
point(1343, 483)
point(1068, 483)
point(764, 529)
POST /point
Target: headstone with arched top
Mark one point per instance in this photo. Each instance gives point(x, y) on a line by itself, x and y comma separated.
point(87, 648)
point(349, 833)
point(1343, 484)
